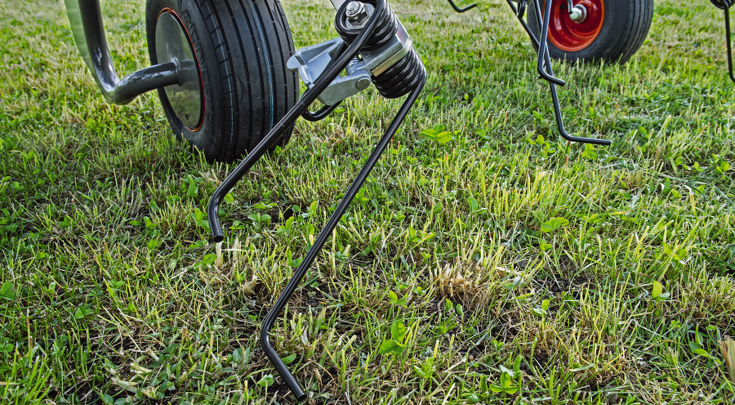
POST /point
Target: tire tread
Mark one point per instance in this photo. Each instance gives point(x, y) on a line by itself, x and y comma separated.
point(250, 42)
point(634, 33)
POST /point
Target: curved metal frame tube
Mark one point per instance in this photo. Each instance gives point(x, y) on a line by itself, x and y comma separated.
point(85, 18)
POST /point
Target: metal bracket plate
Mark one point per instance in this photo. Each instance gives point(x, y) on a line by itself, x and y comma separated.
point(311, 61)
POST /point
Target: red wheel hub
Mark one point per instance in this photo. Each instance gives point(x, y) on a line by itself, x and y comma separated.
point(569, 35)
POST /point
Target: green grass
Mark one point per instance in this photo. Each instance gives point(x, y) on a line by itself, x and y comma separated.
point(552, 272)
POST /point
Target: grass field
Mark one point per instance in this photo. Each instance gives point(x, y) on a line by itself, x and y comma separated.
point(504, 266)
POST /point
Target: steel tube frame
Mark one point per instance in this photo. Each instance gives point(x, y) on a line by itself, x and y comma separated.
point(85, 18)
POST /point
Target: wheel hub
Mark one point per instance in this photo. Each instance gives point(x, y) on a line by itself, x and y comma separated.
point(173, 44)
point(578, 14)
point(574, 30)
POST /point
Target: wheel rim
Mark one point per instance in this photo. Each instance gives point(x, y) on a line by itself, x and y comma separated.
point(569, 35)
point(174, 43)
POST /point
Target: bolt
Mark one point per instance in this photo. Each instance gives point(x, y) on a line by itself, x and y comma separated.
point(356, 11)
point(578, 14)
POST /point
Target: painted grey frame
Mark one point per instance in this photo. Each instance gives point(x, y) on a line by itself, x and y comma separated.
point(85, 18)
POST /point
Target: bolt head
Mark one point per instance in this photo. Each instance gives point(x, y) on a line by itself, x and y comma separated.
point(355, 11)
point(363, 84)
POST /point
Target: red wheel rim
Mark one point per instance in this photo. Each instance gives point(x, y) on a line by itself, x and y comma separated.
point(569, 35)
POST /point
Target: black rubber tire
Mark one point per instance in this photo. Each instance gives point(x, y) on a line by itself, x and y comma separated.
point(623, 31)
point(242, 48)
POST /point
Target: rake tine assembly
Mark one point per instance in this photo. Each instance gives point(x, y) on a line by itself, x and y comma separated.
point(404, 76)
point(544, 66)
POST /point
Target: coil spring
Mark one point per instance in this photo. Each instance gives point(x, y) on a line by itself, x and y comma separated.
point(399, 79)
point(723, 4)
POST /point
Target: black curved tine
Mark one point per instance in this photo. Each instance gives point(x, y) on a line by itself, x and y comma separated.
point(552, 86)
point(332, 71)
point(321, 114)
point(461, 10)
point(333, 221)
point(727, 40)
point(560, 123)
point(543, 50)
point(321, 239)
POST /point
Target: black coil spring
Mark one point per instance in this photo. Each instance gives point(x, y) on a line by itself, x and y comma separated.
point(399, 79)
point(723, 4)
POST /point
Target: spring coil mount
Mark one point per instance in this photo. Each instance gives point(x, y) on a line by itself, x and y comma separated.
point(399, 79)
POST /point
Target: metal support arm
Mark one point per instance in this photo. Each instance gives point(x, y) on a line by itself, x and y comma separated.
point(319, 242)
